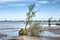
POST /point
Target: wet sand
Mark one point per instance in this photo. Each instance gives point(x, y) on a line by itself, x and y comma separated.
point(16, 38)
point(56, 31)
point(40, 38)
point(26, 37)
point(52, 38)
point(3, 35)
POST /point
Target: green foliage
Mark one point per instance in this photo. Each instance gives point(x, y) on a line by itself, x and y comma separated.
point(22, 31)
point(36, 29)
point(31, 7)
point(30, 14)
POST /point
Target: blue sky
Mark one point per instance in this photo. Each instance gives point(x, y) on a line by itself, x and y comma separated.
point(17, 9)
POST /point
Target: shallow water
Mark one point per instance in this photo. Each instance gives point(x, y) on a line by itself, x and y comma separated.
point(9, 32)
point(50, 34)
point(13, 32)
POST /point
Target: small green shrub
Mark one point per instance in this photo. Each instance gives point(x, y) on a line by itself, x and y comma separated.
point(21, 32)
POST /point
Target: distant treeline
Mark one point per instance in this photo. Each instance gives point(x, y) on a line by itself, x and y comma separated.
point(33, 21)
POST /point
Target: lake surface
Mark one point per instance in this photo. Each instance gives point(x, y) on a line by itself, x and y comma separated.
point(10, 28)
point(10, 25)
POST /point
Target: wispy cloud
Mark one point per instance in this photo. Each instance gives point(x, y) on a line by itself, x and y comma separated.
point(15, 0)
point(6, 3)
point(43, 2)
point(9, 0)
point(13, 5)
point(55, 1)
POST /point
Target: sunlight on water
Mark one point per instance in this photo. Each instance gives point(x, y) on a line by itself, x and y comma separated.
point(20, 25)
point(49, 34)
point(9, 32)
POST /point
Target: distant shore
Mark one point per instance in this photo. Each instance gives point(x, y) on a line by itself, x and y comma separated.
point(31, 21)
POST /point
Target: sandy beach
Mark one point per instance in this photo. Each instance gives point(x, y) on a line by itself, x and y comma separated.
point(26, 37)
point(56, 31)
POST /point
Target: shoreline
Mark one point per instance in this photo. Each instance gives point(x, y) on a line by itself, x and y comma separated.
point(27, 37)
point(56, 31)
point(3, 35)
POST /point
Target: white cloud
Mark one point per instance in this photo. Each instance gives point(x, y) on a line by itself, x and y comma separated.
point(18, 0)
point(8, 0)
point(58, 12)
point(7, 3)
point(15, 0)
point(13, 5)
point(43, 2)
point(16, 4)
point(4, 1)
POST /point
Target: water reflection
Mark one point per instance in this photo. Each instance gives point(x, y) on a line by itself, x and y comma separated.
point(47, 35)
point(9, 32)
point(50, 34)
point(20, 25)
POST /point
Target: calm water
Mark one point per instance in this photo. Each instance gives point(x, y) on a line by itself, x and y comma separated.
point(9, 25)
point(13, 32)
